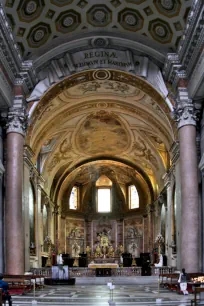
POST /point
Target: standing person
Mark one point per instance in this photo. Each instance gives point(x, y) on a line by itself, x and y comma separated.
point(5, 294)
point(183, 281)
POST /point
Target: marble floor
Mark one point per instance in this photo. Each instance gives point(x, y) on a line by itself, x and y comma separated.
point(129, 291)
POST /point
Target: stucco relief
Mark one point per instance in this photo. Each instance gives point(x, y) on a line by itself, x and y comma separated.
point(108, 86)
point(102, 133)
point(64, 153)
point(141, 150)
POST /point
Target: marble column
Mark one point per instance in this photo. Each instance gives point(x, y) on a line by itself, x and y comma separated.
point(14, 234)
point(56, 226)
point(1, 205)
point(189, 182)
point(39, 224)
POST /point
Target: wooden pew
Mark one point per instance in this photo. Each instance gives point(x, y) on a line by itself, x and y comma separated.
point(0, 297)
point(18, 284)
point(170, 282)
point(197, 299)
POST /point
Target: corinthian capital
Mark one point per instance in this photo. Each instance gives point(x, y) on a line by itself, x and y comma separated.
point(185, 115)
point(17, 120)
point(185, 112)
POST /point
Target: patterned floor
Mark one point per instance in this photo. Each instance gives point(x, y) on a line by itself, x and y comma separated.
point(95, 292)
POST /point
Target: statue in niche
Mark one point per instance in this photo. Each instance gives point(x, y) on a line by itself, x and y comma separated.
point(111, 252)
point(75, 249)
point(104, 251)
point(133, 249)
point(120, 249)
point(98, 252)
point(88, 250)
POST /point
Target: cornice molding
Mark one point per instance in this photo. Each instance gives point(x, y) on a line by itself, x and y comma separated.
point(11, 58)
point(180, 65)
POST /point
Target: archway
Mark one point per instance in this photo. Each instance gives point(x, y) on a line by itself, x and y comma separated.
point(101, 122)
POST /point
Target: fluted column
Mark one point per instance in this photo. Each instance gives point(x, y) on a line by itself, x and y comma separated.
point(185, 116)
point(14, 234)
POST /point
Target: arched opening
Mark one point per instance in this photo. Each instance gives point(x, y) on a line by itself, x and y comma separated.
point(103, 159)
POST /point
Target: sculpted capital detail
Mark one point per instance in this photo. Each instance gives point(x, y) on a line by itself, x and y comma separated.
point(17, 120)
point(185, 115)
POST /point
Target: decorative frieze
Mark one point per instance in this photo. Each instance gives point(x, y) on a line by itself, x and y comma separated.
point(97, 58)
point(180, 65)
point(11, 57)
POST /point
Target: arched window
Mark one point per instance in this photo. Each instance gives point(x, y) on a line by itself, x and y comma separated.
point(103, 185)
point(73, 199)
point(133, 197)
point(31, 215)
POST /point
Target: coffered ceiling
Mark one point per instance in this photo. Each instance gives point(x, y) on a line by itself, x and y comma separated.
point(40, 25)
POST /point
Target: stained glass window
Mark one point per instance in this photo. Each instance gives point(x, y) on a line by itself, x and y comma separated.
point(133, 197)
point(73, 200)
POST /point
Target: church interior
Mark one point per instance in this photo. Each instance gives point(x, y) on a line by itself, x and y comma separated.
point(101, 137)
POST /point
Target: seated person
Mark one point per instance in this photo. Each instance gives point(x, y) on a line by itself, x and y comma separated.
point(5, 294)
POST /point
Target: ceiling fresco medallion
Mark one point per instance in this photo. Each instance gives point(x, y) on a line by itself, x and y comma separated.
point(102, 133)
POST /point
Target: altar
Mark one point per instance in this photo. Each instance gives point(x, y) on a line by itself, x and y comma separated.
point(103, 269)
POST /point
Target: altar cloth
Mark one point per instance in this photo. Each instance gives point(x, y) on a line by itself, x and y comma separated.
point(103, 266)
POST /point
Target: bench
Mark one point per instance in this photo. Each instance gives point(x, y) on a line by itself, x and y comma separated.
point(18, 284)
point(197, 298)
point(171, 280)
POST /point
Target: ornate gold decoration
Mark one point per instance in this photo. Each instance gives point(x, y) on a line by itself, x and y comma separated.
point(141, 150)
point(63, 154)
point(87, 76)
